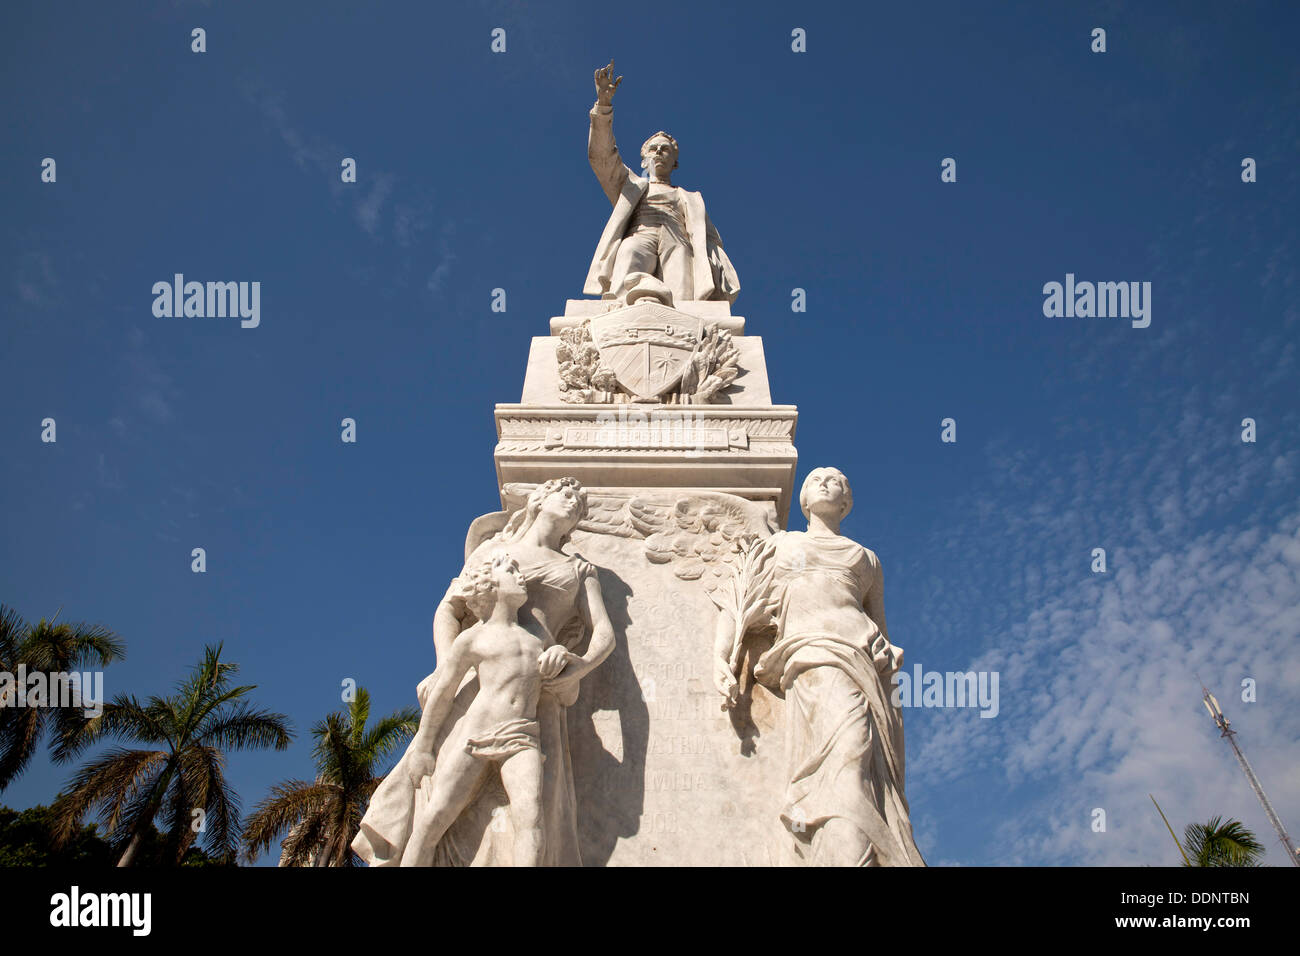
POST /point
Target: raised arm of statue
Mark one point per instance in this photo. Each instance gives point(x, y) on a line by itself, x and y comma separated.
point(448, 621)
point(602, 151)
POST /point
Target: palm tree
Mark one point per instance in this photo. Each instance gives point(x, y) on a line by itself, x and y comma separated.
point(1221, 843)
point(54, 650)
point(323, 817)
point(185, 774)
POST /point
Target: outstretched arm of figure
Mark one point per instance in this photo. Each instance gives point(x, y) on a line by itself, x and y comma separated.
point(451, 669)
point(448, 621)
point(602, 151)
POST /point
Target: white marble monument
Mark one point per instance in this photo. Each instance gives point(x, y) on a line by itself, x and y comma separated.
point(637, 665)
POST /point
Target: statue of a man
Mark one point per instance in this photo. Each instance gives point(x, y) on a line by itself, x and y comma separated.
point(658, 234)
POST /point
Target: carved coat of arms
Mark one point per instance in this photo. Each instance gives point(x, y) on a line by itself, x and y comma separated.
point(649, 352)
point(647, 347)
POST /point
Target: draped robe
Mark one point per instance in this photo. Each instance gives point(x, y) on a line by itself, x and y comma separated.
point(844, 737)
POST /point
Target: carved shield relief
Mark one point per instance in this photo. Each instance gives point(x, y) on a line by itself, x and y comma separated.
point(647, 346)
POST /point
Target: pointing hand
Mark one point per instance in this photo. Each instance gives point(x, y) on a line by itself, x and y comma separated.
point(606, 84)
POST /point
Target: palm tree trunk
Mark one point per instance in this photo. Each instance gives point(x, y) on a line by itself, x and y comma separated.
point(128, 856)
point(146, 818)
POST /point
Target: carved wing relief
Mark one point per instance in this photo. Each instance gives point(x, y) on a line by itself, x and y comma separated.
point(703, 535)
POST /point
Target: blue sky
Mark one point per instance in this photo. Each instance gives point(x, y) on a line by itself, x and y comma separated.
point(821, 171)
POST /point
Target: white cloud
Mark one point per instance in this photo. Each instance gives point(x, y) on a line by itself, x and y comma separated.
point(376, 189)
point(1099, 673)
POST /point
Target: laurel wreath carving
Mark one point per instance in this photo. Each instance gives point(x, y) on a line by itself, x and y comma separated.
point(584, 377)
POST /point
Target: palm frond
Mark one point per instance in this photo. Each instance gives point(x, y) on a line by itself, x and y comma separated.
point(203, 769)
point(242, 727)
point(390, 735)
point(54, 647)
point(207, 681)
point(54, 650)
point(359, 714)
point(125, 718)
point(176, 815)
point(110, 783)
point(289, 804)
point(306, 842)
point(20, 734)
point(333, 749)
point(324, 817)
point(1222, 843)
point(12, 630)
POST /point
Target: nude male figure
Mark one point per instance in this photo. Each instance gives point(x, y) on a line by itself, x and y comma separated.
point(500, 725)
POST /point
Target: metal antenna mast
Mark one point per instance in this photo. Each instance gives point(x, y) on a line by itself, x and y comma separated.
point(1221, 721)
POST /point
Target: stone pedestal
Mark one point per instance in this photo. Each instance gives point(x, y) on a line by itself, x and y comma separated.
point(738, 443)
point(664, 775)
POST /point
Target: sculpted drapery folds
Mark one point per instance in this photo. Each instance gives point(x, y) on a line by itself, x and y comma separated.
point(498, 697)
point(832, 659)
point(658, 239)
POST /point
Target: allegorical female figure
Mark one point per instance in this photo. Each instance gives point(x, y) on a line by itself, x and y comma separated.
point(832, 659)
point(561, 588)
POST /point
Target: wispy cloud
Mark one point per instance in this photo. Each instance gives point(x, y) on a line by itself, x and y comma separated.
point(383, 206)
point(152, 389)
point(109, 477)
point(35, 280)
point(446, 257)
point(1099, 672)
point(368, 209)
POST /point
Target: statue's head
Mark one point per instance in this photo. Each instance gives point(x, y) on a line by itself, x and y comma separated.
point(659, 154)
point(828, 489)
point(562, 499)
point(496, 579)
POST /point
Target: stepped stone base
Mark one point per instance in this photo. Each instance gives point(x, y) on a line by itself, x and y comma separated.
point(739, 443)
